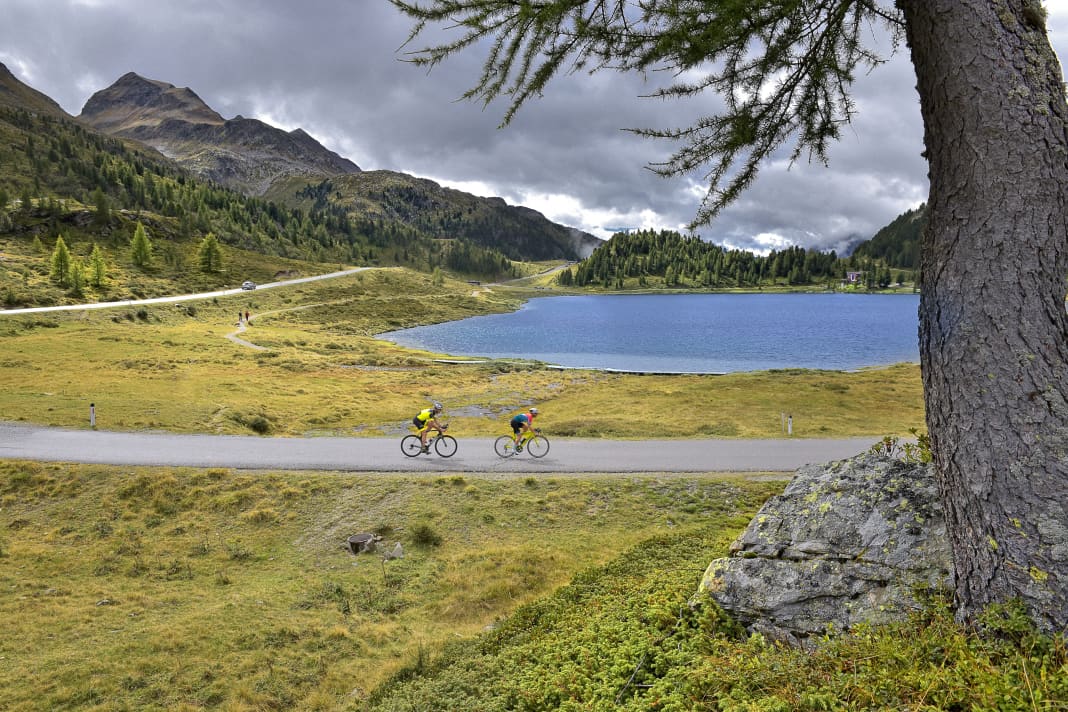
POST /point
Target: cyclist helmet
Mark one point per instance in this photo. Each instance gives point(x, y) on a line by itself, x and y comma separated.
point(437, 406)
point(533, 411)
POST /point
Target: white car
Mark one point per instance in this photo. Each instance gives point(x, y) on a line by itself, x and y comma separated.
point(248, 284)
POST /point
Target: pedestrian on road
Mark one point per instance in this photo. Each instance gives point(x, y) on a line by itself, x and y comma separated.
point(246, 317)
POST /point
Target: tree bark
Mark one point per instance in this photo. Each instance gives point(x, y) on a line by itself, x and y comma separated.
point(993, 326)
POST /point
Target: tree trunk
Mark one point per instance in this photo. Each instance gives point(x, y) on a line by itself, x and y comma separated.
point(993, 327)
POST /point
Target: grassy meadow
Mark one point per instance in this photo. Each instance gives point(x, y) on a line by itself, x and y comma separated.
point(193, 589)
point(320, 371)
point(189, 589)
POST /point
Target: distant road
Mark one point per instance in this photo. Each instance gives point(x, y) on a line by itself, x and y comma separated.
point(475, 455)
point(181, 297)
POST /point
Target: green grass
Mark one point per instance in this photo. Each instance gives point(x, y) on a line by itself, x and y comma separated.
point(178, 588)
point(171, 367)
point(629, 636)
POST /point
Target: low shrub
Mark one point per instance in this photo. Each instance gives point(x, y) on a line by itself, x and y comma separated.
point(425, 535)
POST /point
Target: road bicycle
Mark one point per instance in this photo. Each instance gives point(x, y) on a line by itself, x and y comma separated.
point(442, 444)
point(532, 441)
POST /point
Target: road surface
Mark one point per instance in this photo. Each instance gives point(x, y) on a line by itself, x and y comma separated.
point(180, 297)
point(475, 455)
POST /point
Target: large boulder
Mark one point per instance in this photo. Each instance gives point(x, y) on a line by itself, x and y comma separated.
point(847, 542)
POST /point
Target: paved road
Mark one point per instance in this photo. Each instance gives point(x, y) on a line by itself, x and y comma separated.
point(180, 297)
point(25, 442)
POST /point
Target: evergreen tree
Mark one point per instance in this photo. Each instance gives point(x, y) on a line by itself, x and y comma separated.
point(102, 214)
point(210, 254)
point(98, 268)
point(77, 278)
point(140, 247)
point(61, 264)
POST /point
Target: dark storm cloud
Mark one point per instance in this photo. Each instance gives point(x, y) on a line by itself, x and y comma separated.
point(333, 68)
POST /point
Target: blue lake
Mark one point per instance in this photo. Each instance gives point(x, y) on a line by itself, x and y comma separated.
point(688, 333)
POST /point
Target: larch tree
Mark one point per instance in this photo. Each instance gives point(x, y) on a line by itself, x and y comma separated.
point(98, 267)
point(209, 254)
point(76, 280)
point(993, 326)
point(140, 247)
point(61, 263)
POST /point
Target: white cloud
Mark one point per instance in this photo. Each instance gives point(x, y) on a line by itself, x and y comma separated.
point(19, 67)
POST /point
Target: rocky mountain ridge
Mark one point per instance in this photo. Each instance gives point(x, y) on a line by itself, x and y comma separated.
point(245, 154)
point(260, 160)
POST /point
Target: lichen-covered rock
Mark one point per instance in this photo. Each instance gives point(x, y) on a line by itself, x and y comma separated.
point(847, 542)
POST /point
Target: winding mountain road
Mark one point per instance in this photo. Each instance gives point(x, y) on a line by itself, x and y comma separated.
point(180, 297)
point(475, 455)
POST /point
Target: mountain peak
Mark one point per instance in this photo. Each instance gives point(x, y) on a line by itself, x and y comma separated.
point(246, 154)
point(135, 78)
point(134, 101)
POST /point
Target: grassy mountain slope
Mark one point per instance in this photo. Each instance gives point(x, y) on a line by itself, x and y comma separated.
point(441, 213)
point(65, 180)
point(62, 178)
point(898, 244)
point(16, 95)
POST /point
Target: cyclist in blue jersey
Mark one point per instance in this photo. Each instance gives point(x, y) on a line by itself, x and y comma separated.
point(522, 423)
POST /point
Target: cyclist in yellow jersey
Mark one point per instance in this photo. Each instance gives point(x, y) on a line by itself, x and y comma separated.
point(522, 423)
point(427, 420)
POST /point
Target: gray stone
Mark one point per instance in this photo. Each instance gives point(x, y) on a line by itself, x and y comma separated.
point(847, 542)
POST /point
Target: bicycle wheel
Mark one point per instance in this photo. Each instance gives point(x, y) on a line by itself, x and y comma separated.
point(538, 446)
point(411, 445)
point(445, 446)
point(504, 446)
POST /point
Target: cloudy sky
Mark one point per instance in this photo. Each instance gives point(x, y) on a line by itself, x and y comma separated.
point(335, 69)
